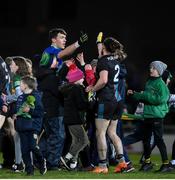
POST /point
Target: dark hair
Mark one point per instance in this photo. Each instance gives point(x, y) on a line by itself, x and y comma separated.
point(30, 81)
point(115, 47)
point(77, 51)
point(54, 32)
point(8, 60)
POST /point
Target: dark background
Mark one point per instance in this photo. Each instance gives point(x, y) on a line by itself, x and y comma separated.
point(145, 28)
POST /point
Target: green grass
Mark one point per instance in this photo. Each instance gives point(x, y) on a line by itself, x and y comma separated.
point(4, 173)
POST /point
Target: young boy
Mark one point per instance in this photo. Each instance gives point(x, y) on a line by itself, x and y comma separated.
point(28, 123)
point(154, 97)
point(48, 82)
point(75, 104)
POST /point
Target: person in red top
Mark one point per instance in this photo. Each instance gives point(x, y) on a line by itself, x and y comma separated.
point(89, 75)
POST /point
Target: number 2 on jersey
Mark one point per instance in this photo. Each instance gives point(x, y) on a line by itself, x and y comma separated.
point(117, 70)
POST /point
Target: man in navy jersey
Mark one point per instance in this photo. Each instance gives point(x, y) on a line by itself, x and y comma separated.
point(108, 99)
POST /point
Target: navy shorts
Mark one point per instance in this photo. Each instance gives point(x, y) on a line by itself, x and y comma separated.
point(110, 110)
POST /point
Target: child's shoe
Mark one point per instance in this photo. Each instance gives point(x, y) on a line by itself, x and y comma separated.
point(165, 168)
point(18, 167)
point(146, 166)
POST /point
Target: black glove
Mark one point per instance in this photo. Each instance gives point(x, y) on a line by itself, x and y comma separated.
point(83, 38)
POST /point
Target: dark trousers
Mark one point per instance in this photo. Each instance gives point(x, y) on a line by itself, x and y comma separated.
point(55, 135)
point(8, 150)
point(28, 144)
point(154, 126)
point(136, 136)
point(85, 156)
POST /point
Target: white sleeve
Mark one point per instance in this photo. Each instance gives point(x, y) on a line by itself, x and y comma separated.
point(18, 91)
point(172, 98)
point(13, 97)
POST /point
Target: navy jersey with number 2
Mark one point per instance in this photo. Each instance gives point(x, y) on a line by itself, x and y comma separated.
point(110, 91)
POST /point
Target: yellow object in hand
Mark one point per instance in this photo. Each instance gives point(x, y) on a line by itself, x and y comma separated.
point(99, 37)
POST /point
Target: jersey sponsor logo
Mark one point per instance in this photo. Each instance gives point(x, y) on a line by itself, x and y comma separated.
point(111, 58)
point(45, 59)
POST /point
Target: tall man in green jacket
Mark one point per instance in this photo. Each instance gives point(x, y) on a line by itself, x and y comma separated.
point(154, 97)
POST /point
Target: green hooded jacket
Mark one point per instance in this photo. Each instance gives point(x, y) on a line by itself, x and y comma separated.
point(154, 97)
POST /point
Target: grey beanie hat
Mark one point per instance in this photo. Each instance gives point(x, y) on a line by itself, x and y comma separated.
point(159, 66)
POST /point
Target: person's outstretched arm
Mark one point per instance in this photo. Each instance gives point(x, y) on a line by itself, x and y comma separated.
point(71, 48)
point(99, 44)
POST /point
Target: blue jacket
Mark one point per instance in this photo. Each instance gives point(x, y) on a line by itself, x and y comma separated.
point(35, 122)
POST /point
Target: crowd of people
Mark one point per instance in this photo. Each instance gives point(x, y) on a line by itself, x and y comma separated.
point(68, 113)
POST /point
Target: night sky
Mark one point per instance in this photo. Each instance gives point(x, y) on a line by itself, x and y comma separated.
point(145, 28)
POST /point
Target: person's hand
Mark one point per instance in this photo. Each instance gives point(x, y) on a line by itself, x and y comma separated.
point(83, 38)
point(26, 109)
point(130, 92)
point(168, 81)
point(99, 37)
point(4, 97)
point(80, 59)
point(14, 117)
point(69, 62)
point(89, 88)
point(4, 108)
point(99, 44)
point(87, 67)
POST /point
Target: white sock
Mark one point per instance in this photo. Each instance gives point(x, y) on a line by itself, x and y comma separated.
point(68, 156)
point(173, 162)
point(73, 165)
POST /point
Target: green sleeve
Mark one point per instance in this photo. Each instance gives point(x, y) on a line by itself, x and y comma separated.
point(153, 98)
point(16, 81)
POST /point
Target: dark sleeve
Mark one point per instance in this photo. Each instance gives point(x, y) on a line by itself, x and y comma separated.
point(63, 72)
point(38, 111)
point(80, 66)
point(1, 103)
point(123, 71)
point(49, 84)
point(4, 74)
point(102, 65)
point(2, 81)
point(19, 103)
